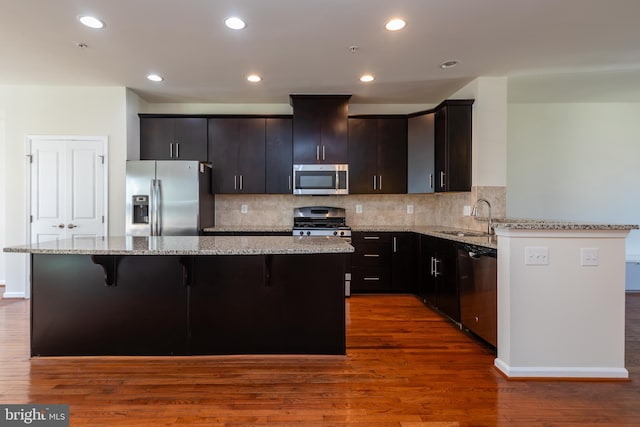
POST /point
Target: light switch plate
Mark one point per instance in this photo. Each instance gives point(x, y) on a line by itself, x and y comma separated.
point(244, 208)
point(410, 209)
point(358, 209)
point(589, 257)
point(536, 255)
point(466, 210)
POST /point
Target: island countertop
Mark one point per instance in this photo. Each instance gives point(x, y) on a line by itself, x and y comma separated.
point(188, 245)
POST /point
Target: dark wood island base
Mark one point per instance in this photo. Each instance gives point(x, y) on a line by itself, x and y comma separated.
point(90, 305)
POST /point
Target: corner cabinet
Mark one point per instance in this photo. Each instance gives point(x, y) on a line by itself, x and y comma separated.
point(420, 153)
point(173, 138)
point(378, 155)
point(453, 145)
point(237, 147)
point(320, 128)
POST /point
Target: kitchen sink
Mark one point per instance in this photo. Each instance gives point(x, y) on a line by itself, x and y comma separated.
point(464, 233)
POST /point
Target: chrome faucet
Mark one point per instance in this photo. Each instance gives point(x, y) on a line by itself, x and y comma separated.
point(474, 212)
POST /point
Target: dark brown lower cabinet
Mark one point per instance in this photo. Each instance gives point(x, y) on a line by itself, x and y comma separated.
point(173, 305)
point(439, 281)
point(254, 304)
point(384, 262)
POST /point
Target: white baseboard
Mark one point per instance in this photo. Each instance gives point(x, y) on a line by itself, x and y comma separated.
point(8, 295)
point(560, 372)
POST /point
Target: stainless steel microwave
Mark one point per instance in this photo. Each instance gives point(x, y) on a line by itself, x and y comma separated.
point(321, 179)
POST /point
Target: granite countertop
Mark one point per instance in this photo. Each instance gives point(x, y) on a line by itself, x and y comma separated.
point(189, 245)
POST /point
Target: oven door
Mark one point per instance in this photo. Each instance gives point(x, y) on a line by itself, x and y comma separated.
point(321, 179)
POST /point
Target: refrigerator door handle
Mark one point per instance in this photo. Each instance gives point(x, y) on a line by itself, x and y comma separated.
point(155, 208)
point(158, 207)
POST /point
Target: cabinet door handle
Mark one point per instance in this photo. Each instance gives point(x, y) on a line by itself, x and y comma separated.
point(371, 237)
point(430, 180)
point(371, 279)
point(71, 226)
point(374, 182)
point(317, 152)
point(372, 255)
point(289, 182)
point(235, 182)
point(380, 183)
point(177, 150)
point(241, 182)
point(58, 226)
point(442, 179)
point(436, 273)
point(323, 152)
point(395, 245)
point(171, 150)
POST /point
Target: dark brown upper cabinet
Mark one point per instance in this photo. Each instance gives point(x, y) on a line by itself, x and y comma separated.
point(320, 128)
point(238, 155)
point(173, 138)
point(279, 141)
point(378, 155)
point(453, 145)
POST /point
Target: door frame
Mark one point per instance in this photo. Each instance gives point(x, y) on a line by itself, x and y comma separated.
point(28, 170)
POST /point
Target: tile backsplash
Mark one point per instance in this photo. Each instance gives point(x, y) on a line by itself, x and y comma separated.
point(444, 209)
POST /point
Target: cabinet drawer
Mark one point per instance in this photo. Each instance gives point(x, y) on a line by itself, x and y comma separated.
point(365, 280)
point(361, 237)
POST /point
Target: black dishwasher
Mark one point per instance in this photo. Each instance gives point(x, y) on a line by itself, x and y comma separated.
point(477, 280)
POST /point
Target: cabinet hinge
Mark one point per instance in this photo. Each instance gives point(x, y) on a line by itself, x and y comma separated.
point(30, 156)
point(101, 159)
point(103, 219)
point(30, 218)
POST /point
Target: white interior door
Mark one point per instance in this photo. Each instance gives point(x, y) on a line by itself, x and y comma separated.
point(67, 186)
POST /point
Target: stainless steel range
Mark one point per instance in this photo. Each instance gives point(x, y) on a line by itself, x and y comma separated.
point(323, 221)
point(320, 221)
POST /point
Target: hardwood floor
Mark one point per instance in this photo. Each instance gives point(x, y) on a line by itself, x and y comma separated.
point(405, 367)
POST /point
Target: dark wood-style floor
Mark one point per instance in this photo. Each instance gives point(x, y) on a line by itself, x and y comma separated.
point(405, 367)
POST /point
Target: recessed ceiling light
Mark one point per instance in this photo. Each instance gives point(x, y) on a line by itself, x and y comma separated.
point(155, 78)
point(448, 64)
point(91, 21)
point(235, 23)
point(254, 78)
point(395, 24)
point(367, 78)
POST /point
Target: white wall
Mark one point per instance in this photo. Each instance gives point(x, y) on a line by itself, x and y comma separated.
point(40, 110)
point(2, 197)
point(489, 132)
point(575, 161)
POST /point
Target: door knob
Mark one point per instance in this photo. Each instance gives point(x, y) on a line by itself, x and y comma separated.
point(71, 226)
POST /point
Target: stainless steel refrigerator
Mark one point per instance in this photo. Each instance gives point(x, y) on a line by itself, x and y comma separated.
point(168, 198)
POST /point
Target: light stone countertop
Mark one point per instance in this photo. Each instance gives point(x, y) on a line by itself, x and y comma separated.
point(189, 245)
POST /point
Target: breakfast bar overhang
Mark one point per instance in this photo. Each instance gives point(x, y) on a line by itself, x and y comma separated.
point(188, 296)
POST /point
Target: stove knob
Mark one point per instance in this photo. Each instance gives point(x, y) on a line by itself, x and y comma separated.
point(335, 233)
point(302, 233)
point(342, 233)
point(308, 233)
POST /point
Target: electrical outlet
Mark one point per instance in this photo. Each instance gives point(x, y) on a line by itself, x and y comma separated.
point(358, 209)
point(244, 208)
point(536, 255)
point(466, 210)
point(410, 209)
point(589, 257)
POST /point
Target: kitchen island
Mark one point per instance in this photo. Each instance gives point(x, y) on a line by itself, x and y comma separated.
point(188, 295)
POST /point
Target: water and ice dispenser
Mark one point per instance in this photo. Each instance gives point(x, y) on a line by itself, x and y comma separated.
point(140, 209)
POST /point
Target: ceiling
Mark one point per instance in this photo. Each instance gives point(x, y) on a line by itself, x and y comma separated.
point(303, 46)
